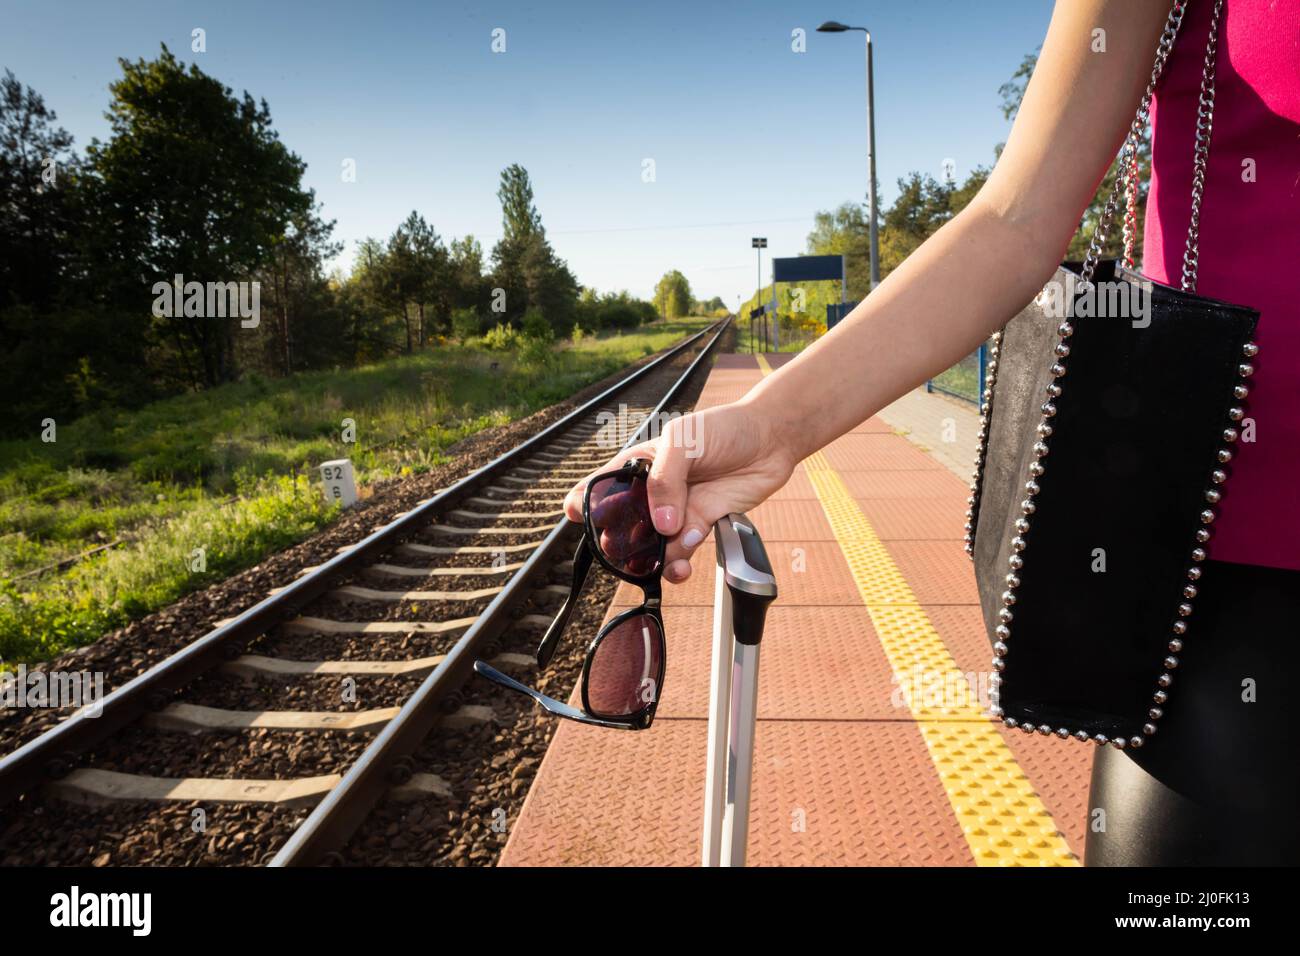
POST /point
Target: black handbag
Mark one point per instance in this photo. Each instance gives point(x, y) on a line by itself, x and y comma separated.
point(1106, 434)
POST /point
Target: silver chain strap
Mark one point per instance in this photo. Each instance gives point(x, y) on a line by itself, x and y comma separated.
point(1204, 126)
point(1127, 173)
point(1131, 212)
point(1128, 153)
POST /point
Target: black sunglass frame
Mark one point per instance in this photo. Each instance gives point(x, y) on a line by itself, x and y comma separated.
point(651, 585)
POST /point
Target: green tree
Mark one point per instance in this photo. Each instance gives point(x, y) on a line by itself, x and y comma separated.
point(843, 231)
point(431, 274)
point(1013, 90)
point(404, 280)
point(520, 224)
point(519, 217)
point(37, 172)
point(922, 206)
point(523, 262)
point(194, 181)
point(63, 353)
point(1012, 93)
point(548, 284)
point(366, 301)
point(465, 264)
point(296, 294)
point(673, 297)
point(612, 310)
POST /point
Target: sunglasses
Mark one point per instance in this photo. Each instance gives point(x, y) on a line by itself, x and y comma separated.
point(623, 673)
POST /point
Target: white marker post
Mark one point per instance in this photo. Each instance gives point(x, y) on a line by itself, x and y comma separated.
point(339, 481)
point(745, 587)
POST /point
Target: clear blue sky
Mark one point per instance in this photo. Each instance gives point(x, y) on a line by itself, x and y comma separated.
point(747, 137)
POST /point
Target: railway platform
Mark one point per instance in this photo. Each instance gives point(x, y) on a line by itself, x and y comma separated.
point(872, 745)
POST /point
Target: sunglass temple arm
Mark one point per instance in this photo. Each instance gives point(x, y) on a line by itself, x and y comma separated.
point(581, 568)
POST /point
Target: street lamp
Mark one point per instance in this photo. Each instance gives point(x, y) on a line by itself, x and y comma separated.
point(832, 26)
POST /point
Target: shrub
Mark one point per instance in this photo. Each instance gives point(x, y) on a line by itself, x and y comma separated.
point(466, 325)
point(587, 313)
point(501, 337)
point(619, 315)
point(578, 333)
point(536, 354)
point(536, 327)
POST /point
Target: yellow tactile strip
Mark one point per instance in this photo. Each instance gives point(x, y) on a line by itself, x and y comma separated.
point(1004, 820)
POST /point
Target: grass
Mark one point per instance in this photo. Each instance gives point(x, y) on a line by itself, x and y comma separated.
point(232, 471)
point(171, 557)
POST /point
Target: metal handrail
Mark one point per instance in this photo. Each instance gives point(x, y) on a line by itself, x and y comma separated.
point(981, 357)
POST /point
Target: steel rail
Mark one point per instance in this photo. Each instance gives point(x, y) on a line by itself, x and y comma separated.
point(53, 752)
point(351, 800)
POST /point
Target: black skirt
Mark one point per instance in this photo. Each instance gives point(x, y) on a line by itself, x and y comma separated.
point(1220, 783)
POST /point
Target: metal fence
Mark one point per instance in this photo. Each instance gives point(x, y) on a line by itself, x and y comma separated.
point(965, 380)
point(761, 333)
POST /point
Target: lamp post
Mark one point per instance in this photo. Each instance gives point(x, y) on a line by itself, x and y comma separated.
point(832, 26)
point(759, 243)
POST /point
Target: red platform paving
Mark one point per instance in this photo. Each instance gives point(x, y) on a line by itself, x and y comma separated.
point(843, 771)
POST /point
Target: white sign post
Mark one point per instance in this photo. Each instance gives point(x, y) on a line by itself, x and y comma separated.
point(339, 482)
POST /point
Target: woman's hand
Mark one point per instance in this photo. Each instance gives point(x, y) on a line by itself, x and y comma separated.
point(705, 465)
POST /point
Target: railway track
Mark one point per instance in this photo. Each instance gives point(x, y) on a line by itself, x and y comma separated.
point(302, 730)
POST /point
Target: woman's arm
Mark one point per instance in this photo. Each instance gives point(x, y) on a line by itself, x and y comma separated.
point(993, 257)
point(965, 281)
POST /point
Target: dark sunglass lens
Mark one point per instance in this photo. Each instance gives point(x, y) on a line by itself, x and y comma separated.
point(624, 671)
point(620, 512)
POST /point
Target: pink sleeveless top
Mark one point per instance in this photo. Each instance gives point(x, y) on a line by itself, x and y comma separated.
point(1249, 247)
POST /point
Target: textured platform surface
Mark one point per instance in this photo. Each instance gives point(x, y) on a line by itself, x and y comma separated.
point(872, 747)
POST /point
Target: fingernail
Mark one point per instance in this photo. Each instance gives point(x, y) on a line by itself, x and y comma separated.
point(678, 571)
point(692, 537)
point(666, 519)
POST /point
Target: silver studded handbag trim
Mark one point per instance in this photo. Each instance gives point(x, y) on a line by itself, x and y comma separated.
point(1019, 543)
point(982, 442)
